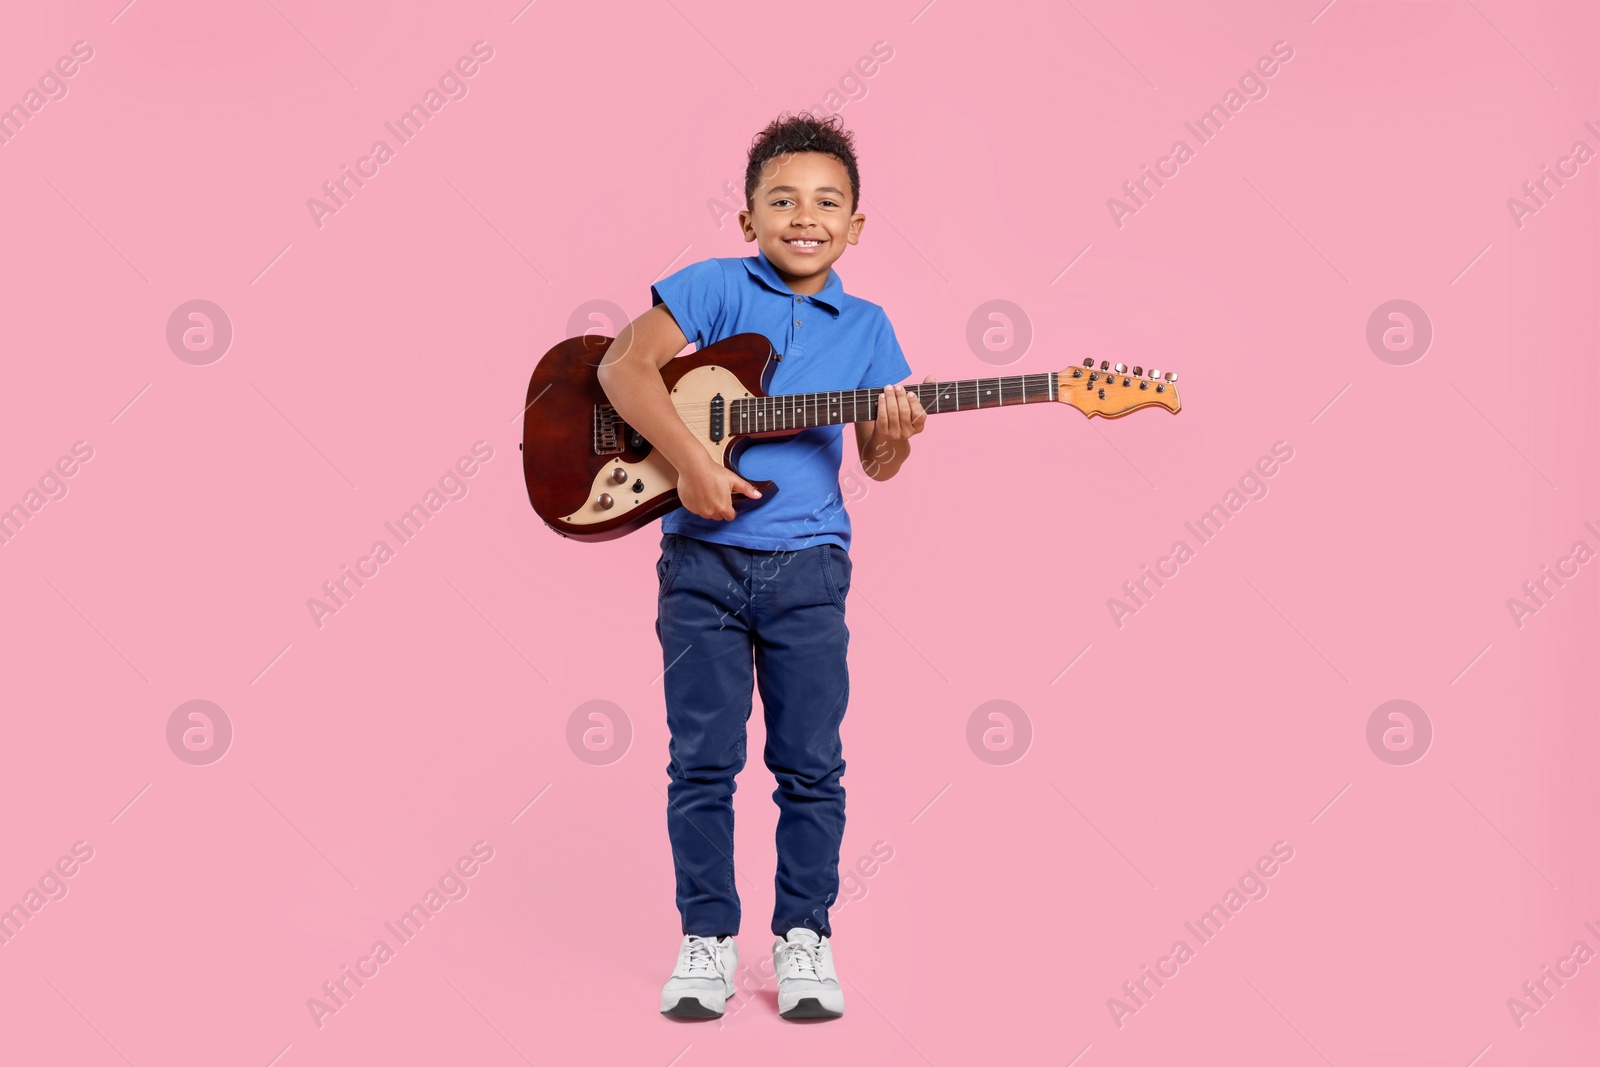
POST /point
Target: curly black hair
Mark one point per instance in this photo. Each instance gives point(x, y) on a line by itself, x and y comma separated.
point(802, 133)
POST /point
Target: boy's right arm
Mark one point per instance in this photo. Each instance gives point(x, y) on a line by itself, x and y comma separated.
point(630, 374)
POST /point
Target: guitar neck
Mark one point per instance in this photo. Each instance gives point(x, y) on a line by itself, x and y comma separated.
point(793, 411)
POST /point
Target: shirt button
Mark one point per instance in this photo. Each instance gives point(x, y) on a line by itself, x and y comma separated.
point(797, 322)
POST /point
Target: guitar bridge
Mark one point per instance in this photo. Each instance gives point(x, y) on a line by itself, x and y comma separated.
point(610, 431)
point(607, 426)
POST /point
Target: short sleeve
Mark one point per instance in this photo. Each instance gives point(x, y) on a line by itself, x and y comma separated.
point(888, 365)
point(698, 299)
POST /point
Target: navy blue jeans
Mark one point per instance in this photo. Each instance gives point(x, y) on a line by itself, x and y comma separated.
point(728, 616)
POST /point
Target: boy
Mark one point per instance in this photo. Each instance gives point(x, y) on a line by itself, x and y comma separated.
point(764, 587)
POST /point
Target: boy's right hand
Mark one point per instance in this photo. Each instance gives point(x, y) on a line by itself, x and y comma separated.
point(707, 489)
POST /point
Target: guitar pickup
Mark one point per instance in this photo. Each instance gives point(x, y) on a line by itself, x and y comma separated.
point(718, 407)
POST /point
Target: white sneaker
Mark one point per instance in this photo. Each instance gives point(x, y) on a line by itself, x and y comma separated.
point(702, 981)
point(808, 986)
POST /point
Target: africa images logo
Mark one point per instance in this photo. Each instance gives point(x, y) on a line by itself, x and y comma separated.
point(452, 86)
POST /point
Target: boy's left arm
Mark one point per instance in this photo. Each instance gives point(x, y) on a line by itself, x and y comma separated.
point(885, 442)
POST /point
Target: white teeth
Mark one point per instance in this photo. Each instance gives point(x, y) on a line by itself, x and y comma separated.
point(805, 244)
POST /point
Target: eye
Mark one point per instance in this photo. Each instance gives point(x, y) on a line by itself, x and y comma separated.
point(781, 200)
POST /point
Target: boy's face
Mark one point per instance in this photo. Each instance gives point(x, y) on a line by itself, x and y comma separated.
point(803, 197)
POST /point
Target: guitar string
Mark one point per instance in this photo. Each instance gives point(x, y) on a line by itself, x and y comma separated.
point(696, 416)
point(868, 395)
point(702, 419)
point(698, 419)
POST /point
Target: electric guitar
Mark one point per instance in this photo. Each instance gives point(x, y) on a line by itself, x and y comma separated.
point(592, 477)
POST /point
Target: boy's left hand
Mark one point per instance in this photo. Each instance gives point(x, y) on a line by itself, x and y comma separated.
point(900, 414)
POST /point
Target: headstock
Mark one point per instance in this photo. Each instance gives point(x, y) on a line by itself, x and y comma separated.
point(1113, 391)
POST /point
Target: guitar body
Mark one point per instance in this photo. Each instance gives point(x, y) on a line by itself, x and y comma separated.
point(574, 445)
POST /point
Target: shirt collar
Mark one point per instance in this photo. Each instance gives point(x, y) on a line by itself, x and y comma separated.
point(761, 268)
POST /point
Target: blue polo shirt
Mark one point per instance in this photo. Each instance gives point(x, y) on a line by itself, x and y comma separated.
point(831, 341)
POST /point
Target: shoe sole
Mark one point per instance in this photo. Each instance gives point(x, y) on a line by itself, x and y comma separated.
point(810, 1008)
point(690, 1008)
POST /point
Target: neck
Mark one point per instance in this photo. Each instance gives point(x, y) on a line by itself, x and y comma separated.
point(792, 411)
point(809, 285)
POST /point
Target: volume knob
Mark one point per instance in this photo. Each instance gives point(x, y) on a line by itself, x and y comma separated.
point(619, 476)
point(606, 501)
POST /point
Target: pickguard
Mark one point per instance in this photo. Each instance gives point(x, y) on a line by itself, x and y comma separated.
point(654, 475)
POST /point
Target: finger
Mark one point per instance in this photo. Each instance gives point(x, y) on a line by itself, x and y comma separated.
point(746, 488)
point(891, 415)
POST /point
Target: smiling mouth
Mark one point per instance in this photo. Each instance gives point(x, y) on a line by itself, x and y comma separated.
point(804, 244)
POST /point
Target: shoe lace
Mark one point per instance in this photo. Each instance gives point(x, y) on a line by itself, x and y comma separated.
point(802, 960)
point(698, 957)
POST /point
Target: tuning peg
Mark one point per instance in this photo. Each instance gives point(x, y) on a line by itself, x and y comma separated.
point(1122, 368)
point(1154, 373)
point(1138, 372)
point(1088, 363)
point(1172, 375)
point(1105, 364)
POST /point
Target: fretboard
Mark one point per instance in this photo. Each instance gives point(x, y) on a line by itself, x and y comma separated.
point(797, 410)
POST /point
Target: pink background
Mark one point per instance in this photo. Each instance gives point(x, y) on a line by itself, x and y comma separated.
point(1228, 714)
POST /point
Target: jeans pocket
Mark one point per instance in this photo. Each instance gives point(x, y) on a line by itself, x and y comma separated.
point(667, 565)
point(836, 568)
